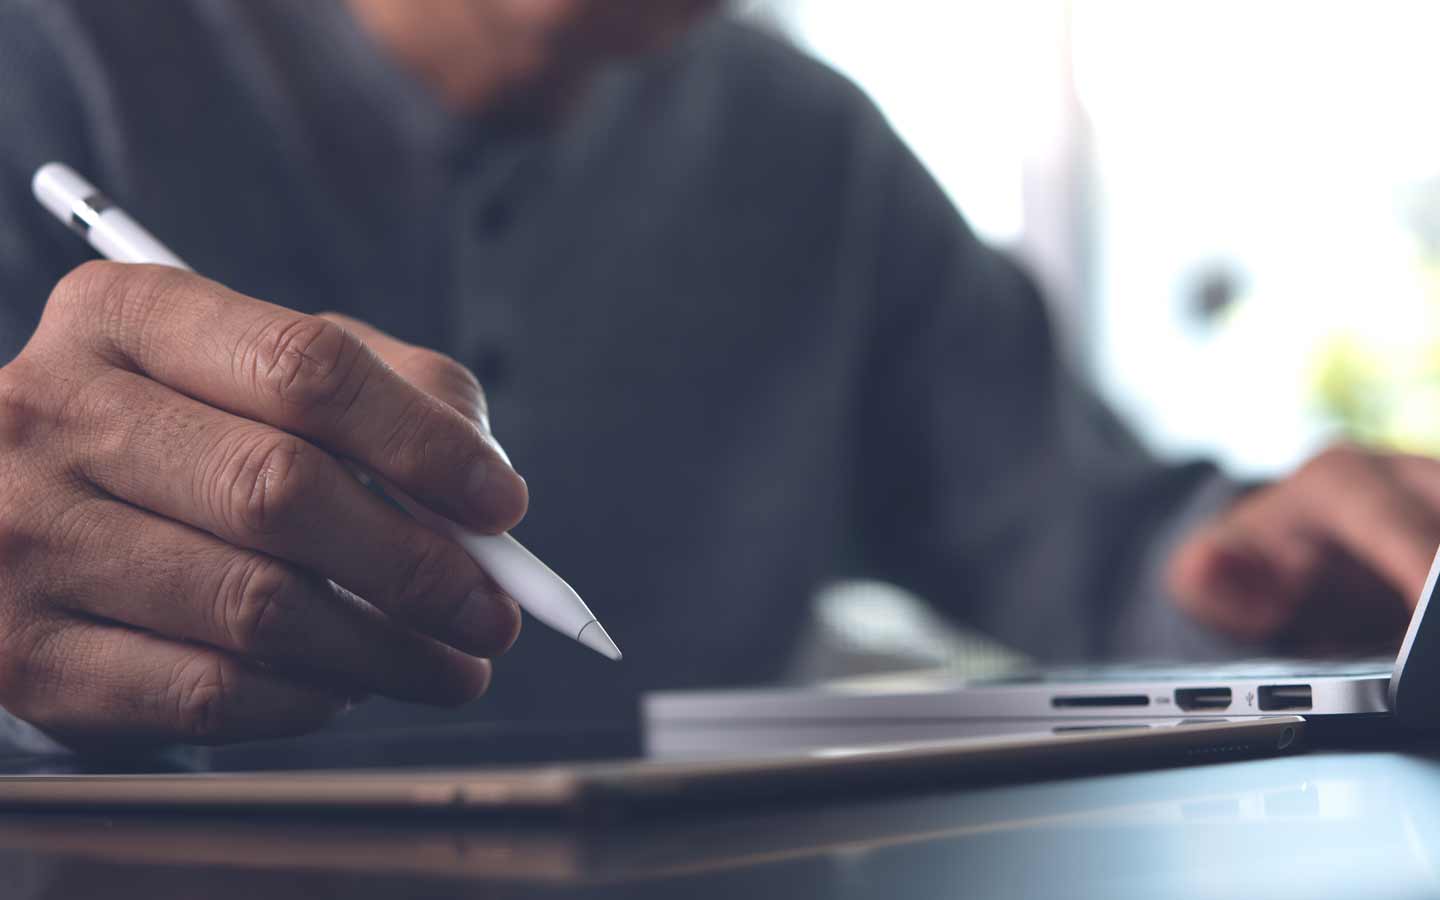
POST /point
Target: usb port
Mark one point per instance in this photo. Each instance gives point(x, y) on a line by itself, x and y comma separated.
point(1284, 696)
point(1190, 699)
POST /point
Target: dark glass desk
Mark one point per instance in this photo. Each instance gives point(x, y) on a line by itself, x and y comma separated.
point(1317, 825)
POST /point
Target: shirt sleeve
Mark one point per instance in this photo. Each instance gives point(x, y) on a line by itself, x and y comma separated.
point(42, 118)
point(991, 478)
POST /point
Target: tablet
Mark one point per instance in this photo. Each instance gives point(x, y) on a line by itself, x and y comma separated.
point(1129, 824)
point(380, 772)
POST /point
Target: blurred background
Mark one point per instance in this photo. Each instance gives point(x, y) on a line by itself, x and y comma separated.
point(1234, 206)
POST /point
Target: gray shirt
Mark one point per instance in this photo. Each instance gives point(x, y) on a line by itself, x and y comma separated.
point(734, 336)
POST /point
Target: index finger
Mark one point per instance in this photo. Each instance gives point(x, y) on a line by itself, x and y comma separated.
point(431, 372)
point(300, 373)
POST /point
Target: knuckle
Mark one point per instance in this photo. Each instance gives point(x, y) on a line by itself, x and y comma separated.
point(21, 656)
point(116, 298)
point(414, 442)
point(79, 286)
point(264, 484)
point(22, 411)
point(16, 543)
point(200, 696)
point(27, 538)
point(110, 420)
point(260, 610)
point(308, 363)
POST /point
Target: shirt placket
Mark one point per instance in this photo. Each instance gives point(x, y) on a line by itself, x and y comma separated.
point(490, 195)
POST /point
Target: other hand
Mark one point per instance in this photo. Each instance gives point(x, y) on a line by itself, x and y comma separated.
point(1331, 558)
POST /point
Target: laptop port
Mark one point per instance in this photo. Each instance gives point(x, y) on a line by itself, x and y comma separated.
point(1190, 699)
point(1100, 700)
point(1284, 696)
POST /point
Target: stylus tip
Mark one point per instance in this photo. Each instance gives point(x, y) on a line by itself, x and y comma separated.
point(593, 636)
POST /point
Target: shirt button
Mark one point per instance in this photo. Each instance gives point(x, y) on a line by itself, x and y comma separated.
point(491, 366)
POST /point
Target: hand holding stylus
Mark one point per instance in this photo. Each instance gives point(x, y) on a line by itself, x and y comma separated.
point(187, 556)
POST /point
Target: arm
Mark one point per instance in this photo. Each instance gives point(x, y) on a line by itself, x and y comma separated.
point(993, 481)
point(41, 119)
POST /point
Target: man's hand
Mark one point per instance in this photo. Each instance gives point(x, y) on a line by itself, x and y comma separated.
point(1332, 558)
point(183, 553)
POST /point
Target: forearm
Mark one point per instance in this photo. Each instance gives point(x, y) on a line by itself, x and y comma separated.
point(999, 486)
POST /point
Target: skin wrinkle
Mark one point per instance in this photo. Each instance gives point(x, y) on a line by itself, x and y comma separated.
point(410, 425)
point(210, 490)
point(272, 486)
point(243, 354)
point(299, 368)
point(262, 605)
point(199, 695)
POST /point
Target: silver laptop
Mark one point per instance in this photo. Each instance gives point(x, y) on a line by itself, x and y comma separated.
point(1405, 689)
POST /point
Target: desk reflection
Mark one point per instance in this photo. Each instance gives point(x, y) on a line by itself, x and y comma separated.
point(1312, 826)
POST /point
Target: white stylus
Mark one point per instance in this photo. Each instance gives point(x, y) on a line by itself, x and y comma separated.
point(538, 590)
